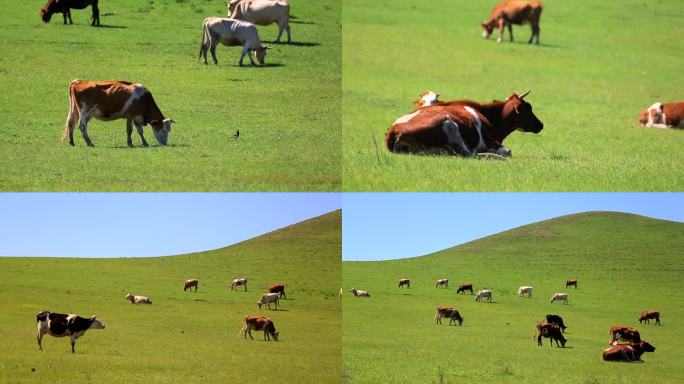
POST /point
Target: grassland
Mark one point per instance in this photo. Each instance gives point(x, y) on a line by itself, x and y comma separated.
point(288, 112)
point(624, 263)
point(597, 67)
point(184, 337)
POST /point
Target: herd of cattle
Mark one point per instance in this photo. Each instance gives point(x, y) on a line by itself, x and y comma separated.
point(62, 325)
point(554, 327)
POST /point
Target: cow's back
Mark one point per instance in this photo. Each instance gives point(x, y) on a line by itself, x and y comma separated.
point(261, 12)
point(518, 12)
point(674, 114)
point(109, 96)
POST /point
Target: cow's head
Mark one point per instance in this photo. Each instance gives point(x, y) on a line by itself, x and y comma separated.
point(95, 323)
point(129, 297)
point(655, 114)
point(161, 130)
point(46, 12)
point(646, 346)
point(487, 29)
point(519, 113)
point(261, 53)
point(426, 99)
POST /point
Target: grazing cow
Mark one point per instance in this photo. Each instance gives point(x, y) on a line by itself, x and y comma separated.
point(618, 332)
point(463, 128)
point(560, 297)
point(60, 325)
point(525, 289)
point(482, 294)
point(647, 315)
point(278, 288)
point(267, 299)
point(555, 319)
point(405, 282)
point(231, 33)
point(238, 282)
point(427, 99)
point(570, 283)
point(659, 115)
point(259, 323)
point(112, 100)
point(449, 313)
point(64, 7)
point(552, 332)
point(357, 292)
point(507, 13)
point(444, 283)
point(138, 299)
point(465, 287)
point(189, 284)
point(262, 12)
point(627, 352)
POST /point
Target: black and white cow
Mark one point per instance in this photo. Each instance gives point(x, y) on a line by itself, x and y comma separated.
point(61, 325)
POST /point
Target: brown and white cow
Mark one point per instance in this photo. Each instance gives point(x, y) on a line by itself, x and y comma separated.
point(462, 127)
point(647, 315)
point(618, 332)
point(465, 287)
point(259, 323)
point(450, 313)
point(359, 293)
point(61, 325)
point(278, 288)
point(405, 282)
point(485, 293)
point(64, 7)
point(112, 100)
point(135, 299)
point(552, 332)
point(628, 352)
point(267, 299)
point(262, 12)
point(570, 283)
point(189, 284)
point(231, 32)
point(667, 115)
point(507, 13)
point(238, 282)
point(559, 297)
point(444, 283)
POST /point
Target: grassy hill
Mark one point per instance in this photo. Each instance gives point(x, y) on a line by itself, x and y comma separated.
point(624, 263)
point(288, 112)
point(597, 66)
point(184, 336)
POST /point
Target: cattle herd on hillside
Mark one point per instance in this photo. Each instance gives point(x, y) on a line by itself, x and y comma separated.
point(74, 326)
point(554, 326)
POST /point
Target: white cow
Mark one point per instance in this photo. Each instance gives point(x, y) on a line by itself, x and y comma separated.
point(231, 32)
point(525, 289)
point(138, 299)
point(262, 12)
point(267, 299)
point(357, 292)
point(238, 282)
point(482, 294)
point(444, 283)
point(560, 297)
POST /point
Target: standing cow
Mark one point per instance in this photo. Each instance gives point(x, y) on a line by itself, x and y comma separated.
point(267, 299)
point(559, 297)
point(61, 325)
point(525, 290)
point(238, 282)
point(507, 13)
point(448, 312)
point(444, 283)
point(618, 332)
point(571, 283)
point(647, 315)
point(405, 282)
point(278, 288)
point(231, 33)
point(551, 332)
point(555, 319)
point(259, 323)
point(663, 115)
point(262, 12)
point(465, 287)
point(191, 283)
point(485, 293)
point(64, 7)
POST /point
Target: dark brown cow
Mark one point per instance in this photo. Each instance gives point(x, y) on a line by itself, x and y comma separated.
point(450, 313)
point(61, 325)
point(463, 127)
point(618, 332)
point(552, 332)
point(189, 284)
point(64, 7)
point(465, 287)
point(278, 288)
point(508, 13)
point(659, 115)
point(259, 323)
point(405, 282)
point(627, 352)
point(647, 315)
point(570, 283)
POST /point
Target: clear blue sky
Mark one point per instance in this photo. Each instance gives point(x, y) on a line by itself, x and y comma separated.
point(146, 224)
point(381, 226)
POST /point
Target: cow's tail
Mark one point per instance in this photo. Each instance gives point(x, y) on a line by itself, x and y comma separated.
point(242, 330)
point(73, 110)
point(205, 39)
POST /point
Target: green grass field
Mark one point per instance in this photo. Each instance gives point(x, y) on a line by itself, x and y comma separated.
point(183, 337)
point(624, 263)
point(288, 112)
point(597, 67)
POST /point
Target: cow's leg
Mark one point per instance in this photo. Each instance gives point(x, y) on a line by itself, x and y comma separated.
point(96, 14)
point(64, 14)
point(73, 343)
point(40, 337)
point(83, 126)
point(139, 128)
point(658, 320)
point(212, 49)
point(454, 139)
point(68, 13)
point(129, 131)
point(281, 28)
point(287, 29)
point(71, 122)
point(249, 331)
point(510, 31)
point(500, 24)
point(539, 341)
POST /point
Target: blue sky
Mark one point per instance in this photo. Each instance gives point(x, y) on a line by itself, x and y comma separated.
point(381, 226)
point(146, 224)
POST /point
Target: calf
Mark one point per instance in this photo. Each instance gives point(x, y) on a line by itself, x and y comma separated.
point(189, 284)
point(267, 299)
point(507, 13)
point(259, 323)
point(444, 283)
point(238, 282)
point(570, 283)
point(555, 319)
point(405, 282)
point(552, 332)
point(138, 299)
point(525, 289)
point(647, 315)
point(659, 115)
point(559, 297)
point(262, 12)
point(357, 292)
point(623, 333)
point(64, 7)
point(278, 288)
point(231, 32)
point(61, 325)
point(627, 352)
point(465, 287)
point(450, 313)
point(484, 293)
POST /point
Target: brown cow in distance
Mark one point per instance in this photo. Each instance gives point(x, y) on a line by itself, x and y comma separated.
point(64, 7)
point(663, 115)
point(507, 13)
point(448, 312)
point(552, 332)
point(259, 323)
point(647, 315)
point(465, 287)
point(405, 282)
point(628, 352)
point(618, 332)
point(190, 283)
point(278, 288)
point(570, 283)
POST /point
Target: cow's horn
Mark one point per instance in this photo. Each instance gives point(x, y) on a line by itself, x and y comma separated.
point(525, 94)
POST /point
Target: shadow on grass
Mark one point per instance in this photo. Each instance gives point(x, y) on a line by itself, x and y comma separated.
point(301, 22)
point(299, 43)
point(142, 147)
point(112, 26)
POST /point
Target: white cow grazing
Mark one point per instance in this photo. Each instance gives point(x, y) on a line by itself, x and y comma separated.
point(262, 12)
point(238, 282)
point(427, 99)
point(560, 297)
point(525, 289)
point(482, 294)
point(138, 299)
point(442, 283)
point(267, 299)
point(357, 292)
point(231, 32)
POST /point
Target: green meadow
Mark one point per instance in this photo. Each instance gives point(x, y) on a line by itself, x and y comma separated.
point(287, 112)
point(183, 337)
point(624, 264)
point(598, 65)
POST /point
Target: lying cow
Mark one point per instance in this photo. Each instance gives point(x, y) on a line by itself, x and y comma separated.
point(449, 313)
point(231, 33)
point(465, 287)
point(259, 323)
point(427, 99)
point(357, 292)
point(628, 352)
point(507, 13)
point(112, 100)
point(267, 299)
point(189, 284)
point(279, 289)
point(262, 12)
point(238, 282)
point(659, 115)
point(559, 297)
point(405, 282)
point(61, 325)
point(555, 319)
point(551, 332)
point(647, 315)
point(525, 290)
point(571, 283)
point(485, 293)
point(463, 128)
point(64, 7)
point(138, 299)
point(618, 332)
point(444, 283)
